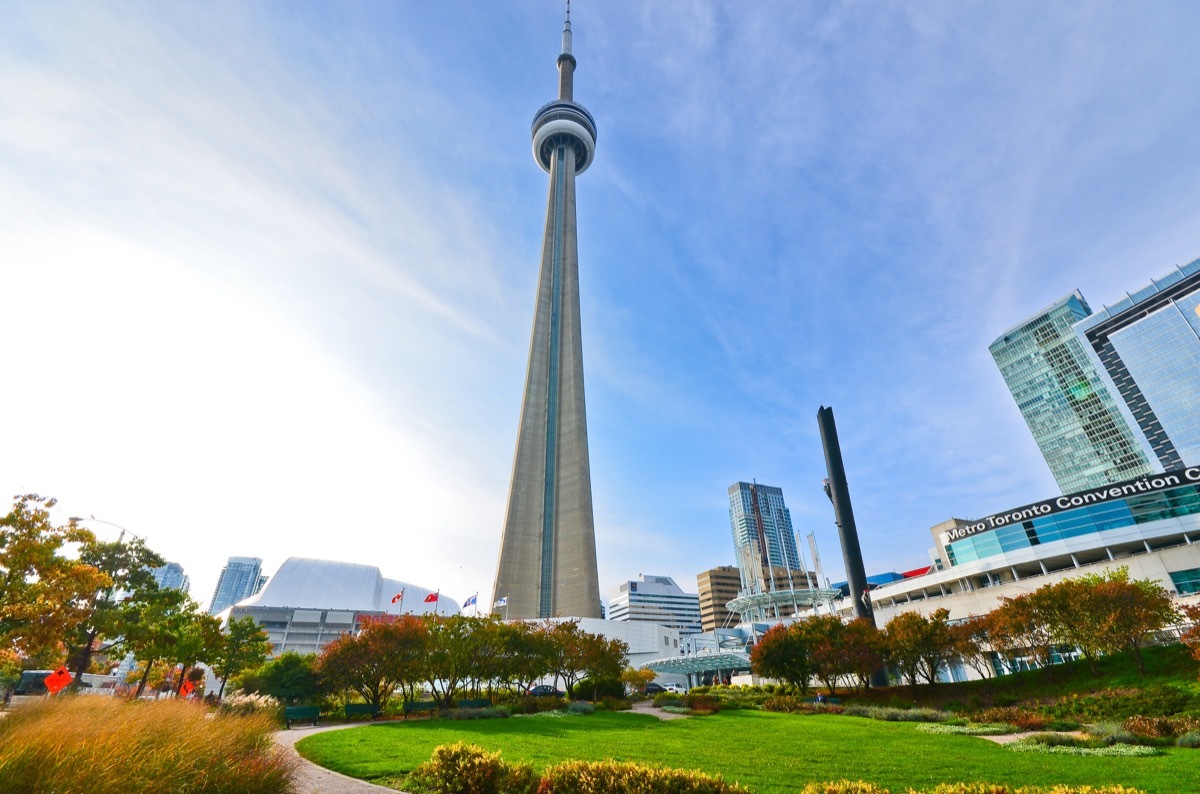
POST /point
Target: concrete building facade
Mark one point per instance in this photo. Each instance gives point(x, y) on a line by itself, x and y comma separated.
point(717, 587)
point(310, 602)
point(656, 599)
point(547, 564)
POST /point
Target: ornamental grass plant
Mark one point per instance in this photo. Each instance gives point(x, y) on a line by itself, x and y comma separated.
point(101, 745)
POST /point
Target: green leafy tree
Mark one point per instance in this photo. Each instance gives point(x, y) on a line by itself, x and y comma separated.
point(452, 655)
point(291, 678)
point(245, 645)
point(110, 611)
point(44, 596)
point(154, 628)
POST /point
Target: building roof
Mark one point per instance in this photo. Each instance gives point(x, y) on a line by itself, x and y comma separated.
point(324, 584)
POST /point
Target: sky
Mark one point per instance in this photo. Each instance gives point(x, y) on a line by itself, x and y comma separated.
point(267, 269)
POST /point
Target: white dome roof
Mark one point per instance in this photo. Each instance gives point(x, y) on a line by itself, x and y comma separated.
point(302, 583)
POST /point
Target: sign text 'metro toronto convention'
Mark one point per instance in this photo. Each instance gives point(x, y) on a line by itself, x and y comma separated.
point(1136, 487)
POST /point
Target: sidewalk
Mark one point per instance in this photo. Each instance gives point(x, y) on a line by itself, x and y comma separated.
point(313, 779)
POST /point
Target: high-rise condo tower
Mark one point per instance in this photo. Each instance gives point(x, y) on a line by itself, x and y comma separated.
point(547, 564)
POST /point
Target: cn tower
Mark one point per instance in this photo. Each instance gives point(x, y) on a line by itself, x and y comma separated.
point(547, 562)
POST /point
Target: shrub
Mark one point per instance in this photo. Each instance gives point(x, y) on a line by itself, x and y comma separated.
point(1057, 743)
point(783, 703)
point(900, 715)
point(614, 704)
point(1190, 739)
point(844, 787)
point(1024, 719)
point(706, 704)
point(581, 707)
point(492, 712)
point(667, 699)
point(240, 704)
point(1161, 727)
point(1111, 733)
point(971, 729)
point(611, 777)
point(466, 769)
point(53, 745)
point(988, 788)
point(587, 688)
point(535, 705)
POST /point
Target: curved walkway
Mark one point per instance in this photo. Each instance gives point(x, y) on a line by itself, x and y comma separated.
point(313, 779)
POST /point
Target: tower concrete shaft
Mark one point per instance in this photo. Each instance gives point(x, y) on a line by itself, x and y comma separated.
point(547, 564)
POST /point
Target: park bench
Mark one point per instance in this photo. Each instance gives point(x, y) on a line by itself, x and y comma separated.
point(362, 710)
point(474, 704)
point(301, 714)
point(418, 706)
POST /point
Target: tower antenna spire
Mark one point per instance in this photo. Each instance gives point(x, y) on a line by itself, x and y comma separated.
point(566, 47)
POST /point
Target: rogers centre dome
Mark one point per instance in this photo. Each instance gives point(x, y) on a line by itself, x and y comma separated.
point(308, 602)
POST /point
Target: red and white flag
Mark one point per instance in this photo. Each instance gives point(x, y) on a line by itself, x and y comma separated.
point(429, 599)
point(398, 597)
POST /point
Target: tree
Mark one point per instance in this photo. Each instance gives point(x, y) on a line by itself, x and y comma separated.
point(245, 646)
point(452, 654)
point(904, 640)
point(862, 648)
point(824, 637)
point(44, 596)
point(1021, 628)
point(636, 678)
point(384, 655)
point(572, 651)
point(603, 660)
point(290, 678)
point(1134, 610)
point(165, 625)
point(783, 653)
point(128, 566)
point(1191, 636)
point(971, 643)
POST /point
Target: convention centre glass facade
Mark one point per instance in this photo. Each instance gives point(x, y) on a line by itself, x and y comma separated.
point(1088, 520)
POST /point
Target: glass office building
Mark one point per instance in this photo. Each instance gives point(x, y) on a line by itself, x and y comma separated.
point(240, 578)
point(1148, 348)
point(763, 538)
point(1080, 428)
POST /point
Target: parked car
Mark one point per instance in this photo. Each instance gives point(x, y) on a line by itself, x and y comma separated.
point(546, 691)
point(678, 689)
point(655, 689)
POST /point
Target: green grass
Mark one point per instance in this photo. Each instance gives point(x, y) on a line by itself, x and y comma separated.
point(1169, 667)
point(771, 753)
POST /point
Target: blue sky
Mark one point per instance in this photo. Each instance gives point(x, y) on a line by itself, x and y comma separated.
point(268, 268)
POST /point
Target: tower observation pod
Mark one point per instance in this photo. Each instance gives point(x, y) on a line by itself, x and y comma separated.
point(547, 565)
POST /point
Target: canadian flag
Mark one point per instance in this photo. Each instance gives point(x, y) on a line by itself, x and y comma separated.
point(429, 599)
point(398, 597)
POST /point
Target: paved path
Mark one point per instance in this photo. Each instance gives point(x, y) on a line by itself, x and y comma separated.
point(647, 707)
point(313, 779)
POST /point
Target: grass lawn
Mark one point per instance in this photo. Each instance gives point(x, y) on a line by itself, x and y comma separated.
point(766, 751)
